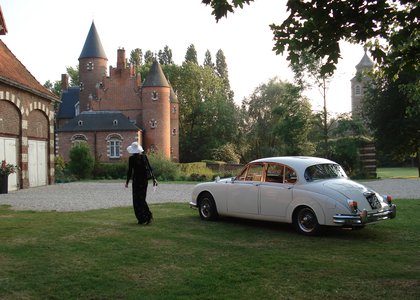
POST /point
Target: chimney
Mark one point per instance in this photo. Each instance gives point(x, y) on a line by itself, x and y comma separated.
point(64, 82)
point(121, 62)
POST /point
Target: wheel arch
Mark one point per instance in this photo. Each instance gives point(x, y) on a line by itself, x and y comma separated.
point(312, 204)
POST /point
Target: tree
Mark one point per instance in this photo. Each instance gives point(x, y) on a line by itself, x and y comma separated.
point(165, 56)
point(318, 27)
point(273, 109)
point(73, 73)
point(393, 113)
point(308, 74)
point(207, 118)
point(81, 161)
point(191, 55)
point(54, 87)
point(149, 57)
point(207, 60)
point(136, 57)
point(222, 71)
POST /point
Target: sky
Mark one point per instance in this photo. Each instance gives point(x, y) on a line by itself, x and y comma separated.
point(48, 35)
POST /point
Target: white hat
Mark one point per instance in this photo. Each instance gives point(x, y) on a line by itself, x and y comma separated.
point(135, 148)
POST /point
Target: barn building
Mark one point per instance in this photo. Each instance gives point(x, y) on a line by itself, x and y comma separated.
point(26, 122)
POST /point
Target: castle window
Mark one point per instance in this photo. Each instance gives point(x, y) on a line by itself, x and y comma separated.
point(357, 90)
point(154, 95)
point(174, 131)
point(153, 123)
point(115, 122)
point(78, 139)
point(80, 123)
point(174, 109)
point(90, 66)
point(114, 148)
point(113, 145)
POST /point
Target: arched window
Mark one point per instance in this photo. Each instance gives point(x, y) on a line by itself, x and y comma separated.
point(77, 139)
point(113, 143)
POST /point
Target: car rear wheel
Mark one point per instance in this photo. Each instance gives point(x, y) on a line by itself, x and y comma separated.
point(207, 207)
point(306, 222)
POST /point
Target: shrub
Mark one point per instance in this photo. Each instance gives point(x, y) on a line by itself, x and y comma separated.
point(81, 161)
point(163, 168)
point(226, 153)
point(197, 171)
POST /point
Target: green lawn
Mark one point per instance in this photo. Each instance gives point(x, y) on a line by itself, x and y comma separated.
point(104, 254)
point(398, 173)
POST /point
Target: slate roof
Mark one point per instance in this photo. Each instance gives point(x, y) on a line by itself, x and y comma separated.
point(69, 99)
point(365, 62)
point(172, 97)
point(155, 77)
point(99, 121)
point(14, 73)
point(93, 46)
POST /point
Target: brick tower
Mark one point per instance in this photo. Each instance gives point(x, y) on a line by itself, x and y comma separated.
point(92, 68)
point(155, 96)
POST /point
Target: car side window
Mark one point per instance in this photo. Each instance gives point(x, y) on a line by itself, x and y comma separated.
point(290, 175)
point(253, 172)
point(275, 173)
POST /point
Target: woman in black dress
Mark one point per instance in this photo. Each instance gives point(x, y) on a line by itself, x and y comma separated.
point(140, 171)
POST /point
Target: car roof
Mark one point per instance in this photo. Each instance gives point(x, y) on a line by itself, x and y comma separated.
point(298, 163)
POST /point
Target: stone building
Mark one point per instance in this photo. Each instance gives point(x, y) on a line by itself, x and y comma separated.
point(359, 83)
point(109, 112)
point(26, 122)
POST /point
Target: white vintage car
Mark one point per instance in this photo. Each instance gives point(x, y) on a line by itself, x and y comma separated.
point(306, 191)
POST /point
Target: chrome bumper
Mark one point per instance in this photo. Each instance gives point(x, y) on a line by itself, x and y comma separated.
point(193, 205)
point(366, 218)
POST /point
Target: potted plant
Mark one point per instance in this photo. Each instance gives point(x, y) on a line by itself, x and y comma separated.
point(5, 170)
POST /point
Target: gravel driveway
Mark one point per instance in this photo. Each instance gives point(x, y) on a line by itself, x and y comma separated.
point(79, 196)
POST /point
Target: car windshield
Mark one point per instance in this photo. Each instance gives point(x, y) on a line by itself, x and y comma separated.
point(324, 171)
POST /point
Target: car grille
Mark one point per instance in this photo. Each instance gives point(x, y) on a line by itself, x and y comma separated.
point(373, 200)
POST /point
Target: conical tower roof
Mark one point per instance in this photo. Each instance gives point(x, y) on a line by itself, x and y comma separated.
point(155, 77)
point(172, 97)
point(93, 46)
point(365, 63)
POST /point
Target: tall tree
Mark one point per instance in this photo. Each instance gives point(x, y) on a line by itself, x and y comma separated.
point(208, 118)
point(165, 56)
point(73, 73)
point(191, 55)
point(208, 60)
point(274, 109)
point(393, 110)
point(149, 57)
point(308, 74)
point(222, 71)
point(136, 57)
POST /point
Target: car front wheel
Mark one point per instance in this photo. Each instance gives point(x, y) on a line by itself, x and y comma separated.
point(306, 222)
point(207, 207)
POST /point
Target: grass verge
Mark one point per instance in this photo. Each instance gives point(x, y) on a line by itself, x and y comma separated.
point(104, 254)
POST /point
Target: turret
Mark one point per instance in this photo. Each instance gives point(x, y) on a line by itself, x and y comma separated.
point(155, 97)
point(92, 68)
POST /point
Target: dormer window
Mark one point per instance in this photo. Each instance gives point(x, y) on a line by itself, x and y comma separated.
point(80, 123)
point(153, 123)
point(90, 66)
point(154, 95)
point(115, 122)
